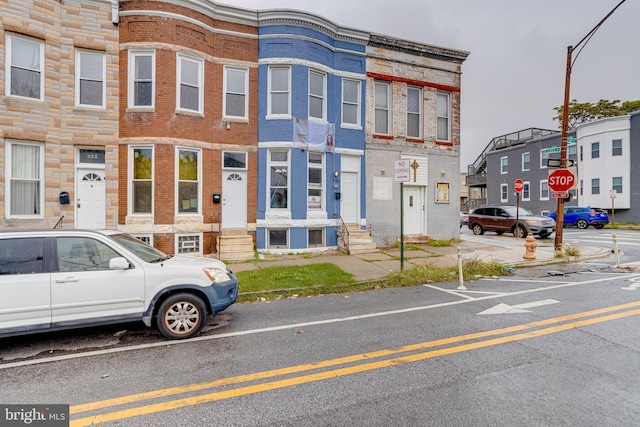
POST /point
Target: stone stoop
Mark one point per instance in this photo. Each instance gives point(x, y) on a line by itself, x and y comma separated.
point(360, 241)
point(414, 238)
point(235, 245)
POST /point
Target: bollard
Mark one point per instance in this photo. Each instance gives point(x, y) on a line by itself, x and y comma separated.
point(615, 249)
point(461, 287)
point(530, 246)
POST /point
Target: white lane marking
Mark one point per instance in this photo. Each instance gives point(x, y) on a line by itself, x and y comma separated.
point(299, 325)
point(518, 308)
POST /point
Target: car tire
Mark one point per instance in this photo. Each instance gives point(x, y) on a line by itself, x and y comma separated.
point(477, 229)
point(520, 231)
point(582, 223)
point(181, 316)
point(599, 226)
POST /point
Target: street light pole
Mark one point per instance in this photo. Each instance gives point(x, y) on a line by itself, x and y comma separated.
point(565, 123)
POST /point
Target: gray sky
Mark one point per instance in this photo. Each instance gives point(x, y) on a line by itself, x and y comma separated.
point(515, 73)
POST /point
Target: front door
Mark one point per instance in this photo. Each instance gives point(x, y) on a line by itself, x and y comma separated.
point(349, 199)
point(234, 199)
point(90, 198)
point(413, 210)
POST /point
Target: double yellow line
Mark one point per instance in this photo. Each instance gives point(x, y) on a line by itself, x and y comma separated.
point(518, 332)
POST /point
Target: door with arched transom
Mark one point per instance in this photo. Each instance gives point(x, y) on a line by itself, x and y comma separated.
point(234, 199)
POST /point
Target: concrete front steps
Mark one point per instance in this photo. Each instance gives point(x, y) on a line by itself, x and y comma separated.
point(235, 245)
point(360, 241)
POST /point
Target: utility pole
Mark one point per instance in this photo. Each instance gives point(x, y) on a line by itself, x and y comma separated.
point(565, 122)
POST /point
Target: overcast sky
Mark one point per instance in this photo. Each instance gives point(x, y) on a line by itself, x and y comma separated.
point(515, 73)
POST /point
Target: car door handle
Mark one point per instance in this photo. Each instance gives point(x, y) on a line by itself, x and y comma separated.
point(67, 280)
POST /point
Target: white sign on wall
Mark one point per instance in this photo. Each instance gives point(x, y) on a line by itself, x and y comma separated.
point(401, 170)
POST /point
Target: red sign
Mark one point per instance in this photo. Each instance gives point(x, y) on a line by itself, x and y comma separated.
point(561, 180)
point(518, 185)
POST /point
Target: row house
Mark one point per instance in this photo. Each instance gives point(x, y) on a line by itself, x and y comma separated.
point(204, 128)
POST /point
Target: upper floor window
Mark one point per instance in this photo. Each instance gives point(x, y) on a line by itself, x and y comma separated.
point(526, 161)
point(141, 167)
point(278, 179)
point(236, 83)
point(24, 195)
point(90, 78)
point(350, 102)
point(382, 108)
point(616, 147)
point(142, 71)
point(279, 101)
point(443, 112)
point(190, 94)
point(316, 172)
point(414, 112)
point(595, 150)
point(595, 186)
point(24, 67)
point(572, 151)
point(504, 165)
point(544, 156)
point(317, 95)
point(188, 166)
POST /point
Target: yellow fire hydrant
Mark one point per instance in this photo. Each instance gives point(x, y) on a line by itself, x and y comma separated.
point(530, 246)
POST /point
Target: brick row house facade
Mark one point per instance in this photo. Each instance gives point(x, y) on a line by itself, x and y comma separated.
point(203, 128)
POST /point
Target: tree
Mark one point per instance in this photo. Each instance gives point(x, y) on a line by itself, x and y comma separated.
point(584, 112)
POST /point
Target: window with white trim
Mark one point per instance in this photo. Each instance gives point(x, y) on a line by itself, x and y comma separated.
point(90, 78)
point(317, 95)
point(595, 186)
point(526, 191)
point(443, 113)
point(142, 82)
point(315, 181)
point(595, 150)
point(278, 179)
point(616, 184)
point(504, 192)
point(544, 190)
point(279, 101)
point(234, 160)
point(141, 173)
point(277, 238)
point(236, 99)
point(24, 194)
point(382, 108)
point(351, 102)
point(526, 161)
point(190, 87)
point(414, 112)
point(24, 67)
point(188, 182)
point(146, 238)
point(544, 156)
point(504, 165)
point(616, 147)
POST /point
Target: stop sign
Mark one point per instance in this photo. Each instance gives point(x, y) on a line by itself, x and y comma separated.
point(561, 180)
point(518, 185)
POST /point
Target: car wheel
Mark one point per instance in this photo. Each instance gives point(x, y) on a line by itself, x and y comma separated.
point(520, 231)
point(582, 223)
point(598, 226)
point(477, 230)
point(181, 316)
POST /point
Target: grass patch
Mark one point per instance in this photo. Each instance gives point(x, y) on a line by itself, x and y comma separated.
point(327, 278)
point(437, 243)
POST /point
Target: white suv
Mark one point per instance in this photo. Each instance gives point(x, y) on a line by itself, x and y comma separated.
point(60, 279)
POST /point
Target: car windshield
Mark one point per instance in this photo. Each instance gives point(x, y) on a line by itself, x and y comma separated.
point(511, 210)
point(139, 248)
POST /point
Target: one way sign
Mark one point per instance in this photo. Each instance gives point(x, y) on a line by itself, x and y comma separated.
point(555, 163)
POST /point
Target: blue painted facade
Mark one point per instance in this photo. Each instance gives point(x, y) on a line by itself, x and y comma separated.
point(305, 43)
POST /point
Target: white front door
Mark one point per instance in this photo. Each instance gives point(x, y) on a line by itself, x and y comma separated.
point(234, 199)
point(90, 198)
point(413, 204)
point(349, 199)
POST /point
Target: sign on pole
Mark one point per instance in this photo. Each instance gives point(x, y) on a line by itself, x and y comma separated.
point(561, 180)
point(401, 170)
point(518, 185)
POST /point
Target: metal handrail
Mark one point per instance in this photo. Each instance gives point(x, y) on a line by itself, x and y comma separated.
point(59, 223)
point(344, 234)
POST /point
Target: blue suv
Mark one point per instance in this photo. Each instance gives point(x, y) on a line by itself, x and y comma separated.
point(582, 217)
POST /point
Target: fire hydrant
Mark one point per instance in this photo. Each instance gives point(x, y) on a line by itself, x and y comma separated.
point(530, 246)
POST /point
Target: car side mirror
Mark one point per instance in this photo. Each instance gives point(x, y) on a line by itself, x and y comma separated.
point(119, 263)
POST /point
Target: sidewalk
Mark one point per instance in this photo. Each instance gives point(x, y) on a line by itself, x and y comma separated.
point(504, 249)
